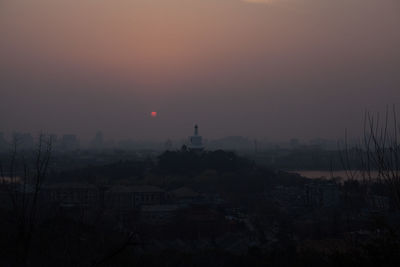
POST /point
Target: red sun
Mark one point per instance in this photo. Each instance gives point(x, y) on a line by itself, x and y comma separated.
point(153, 114)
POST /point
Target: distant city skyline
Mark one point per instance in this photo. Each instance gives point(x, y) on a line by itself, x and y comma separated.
point(70, 142)
point(90, 139)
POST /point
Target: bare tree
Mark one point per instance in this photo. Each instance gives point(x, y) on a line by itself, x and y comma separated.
point(24, 179)
point(377, 154)
point(23, 174)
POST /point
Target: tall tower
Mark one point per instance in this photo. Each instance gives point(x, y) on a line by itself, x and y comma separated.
point(195, 141)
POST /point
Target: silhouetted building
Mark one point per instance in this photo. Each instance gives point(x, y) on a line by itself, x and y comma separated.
point(3, 142)
point(195, 141)
point(69, 142)
point(186, 196)
point(233, 143)
point(72, 194)
point(322, 194)
point(294, 143)
point(23, 140)
point(55, 142)
point(98, 141)
point(130, 197)
point(378, 203)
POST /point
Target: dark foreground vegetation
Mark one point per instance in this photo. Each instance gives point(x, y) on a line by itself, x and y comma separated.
point(187, 208)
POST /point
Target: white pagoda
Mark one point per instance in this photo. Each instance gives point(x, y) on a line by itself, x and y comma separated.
point(195, 141)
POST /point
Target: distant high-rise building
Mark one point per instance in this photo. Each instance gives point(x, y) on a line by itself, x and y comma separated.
point(294, 143)
point(98, 141)
point(55, 141)
point(23, 140)
point(3, 142)
point(69, 142)
point(195, 141)
point(53, 138)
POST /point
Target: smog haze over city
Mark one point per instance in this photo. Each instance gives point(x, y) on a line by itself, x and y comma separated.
point(272, 69)
point(191, 133)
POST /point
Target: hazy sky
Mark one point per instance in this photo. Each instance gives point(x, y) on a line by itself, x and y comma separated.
point(257, 68)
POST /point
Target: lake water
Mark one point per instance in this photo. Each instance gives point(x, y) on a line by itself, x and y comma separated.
point(315, 174)
point(8, 179)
